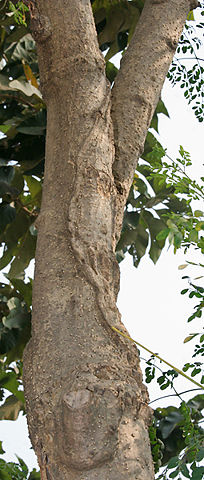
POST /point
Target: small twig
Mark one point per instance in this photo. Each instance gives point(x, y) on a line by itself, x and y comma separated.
point(31, 213)
point(189, 58)
point(4, 4)
point(160, 358)
point(174, 394)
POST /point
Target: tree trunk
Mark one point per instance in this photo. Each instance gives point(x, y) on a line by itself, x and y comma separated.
point(87, 408)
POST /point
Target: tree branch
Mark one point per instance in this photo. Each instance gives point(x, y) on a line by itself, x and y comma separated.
point(140, 79)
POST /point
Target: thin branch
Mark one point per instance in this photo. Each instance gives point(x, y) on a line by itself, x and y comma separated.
point(189, 58)
point(136, 91)
point(174, 395)
point(159, 358)
point(18, 99)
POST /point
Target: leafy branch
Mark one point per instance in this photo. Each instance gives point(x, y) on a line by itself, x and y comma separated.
point(19, 11)
point(158, 356)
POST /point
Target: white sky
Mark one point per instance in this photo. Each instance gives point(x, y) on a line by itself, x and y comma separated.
point(150, 302)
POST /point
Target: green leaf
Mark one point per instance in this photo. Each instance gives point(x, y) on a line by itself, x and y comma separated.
point(190, 337)
point(18, 180)
point(35, 188)
point(200, 455)
point(170, 423)
point(34, 475)
point(161, 108)
point(26, 88)
point(23, 465)
point(131, 219)
point(24, 254)
point(174, 474)
point(15, 319)
point(198, 473)
point(195, 371)
point(199, 226)
point(25, 289)
point(11, 408)
point(173, 462)
point(163, 234)
point(7, 256)
point(4, 128)
point(8, 339)
point(178, 237)
point(111, 71)
point(6, 173)
point(155, 251)
point(35, 125)
point(2, 451)
point(5, 475)
point(141, 186)
point(139, 244)
point(193, 236)
point(7, 215)
point(190, 16)
point(197, 402)
point(9, 381)
point(184, 470)
point(198, 213)
point(17, 229)
point(17, 34)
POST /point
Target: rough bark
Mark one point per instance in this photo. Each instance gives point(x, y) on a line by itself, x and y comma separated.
point(87, 409)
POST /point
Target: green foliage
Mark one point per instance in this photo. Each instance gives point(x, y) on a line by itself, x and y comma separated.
point(23, 123)
point(179, 429)
point(191, 80)
point(157, 446)
point(151, 218)
point(11, 382)
point(15, 319)
point(17, 471)
point(194, 291)
point(115, 23)
point(183, 226)
point(19, 12)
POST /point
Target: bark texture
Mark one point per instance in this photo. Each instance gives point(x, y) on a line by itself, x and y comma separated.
point(87, 408)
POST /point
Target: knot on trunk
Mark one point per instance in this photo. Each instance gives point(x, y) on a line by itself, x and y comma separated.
point(90, 423)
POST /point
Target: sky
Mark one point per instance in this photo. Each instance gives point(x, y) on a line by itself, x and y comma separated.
point(152, 308)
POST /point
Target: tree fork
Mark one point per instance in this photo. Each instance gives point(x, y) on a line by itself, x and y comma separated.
point(87, 408)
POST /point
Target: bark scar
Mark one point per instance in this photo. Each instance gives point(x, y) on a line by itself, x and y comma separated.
point(89, 419)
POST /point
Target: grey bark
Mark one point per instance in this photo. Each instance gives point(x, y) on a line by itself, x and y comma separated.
point(87, 408)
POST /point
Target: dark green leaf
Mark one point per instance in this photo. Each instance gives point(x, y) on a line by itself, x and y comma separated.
point(9, 381)
point(173, 462)
point(200, 455)
point(1, 448)
point(111, 71)
point(174, 474)
point(7, 215)
point(184, 470)
point(198, 473)
point(25, 289)
point(24, 254)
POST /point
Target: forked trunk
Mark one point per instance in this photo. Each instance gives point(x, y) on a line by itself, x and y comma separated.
point(87, 408)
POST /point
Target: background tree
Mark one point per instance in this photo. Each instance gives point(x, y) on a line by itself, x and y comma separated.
point(80, 223)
